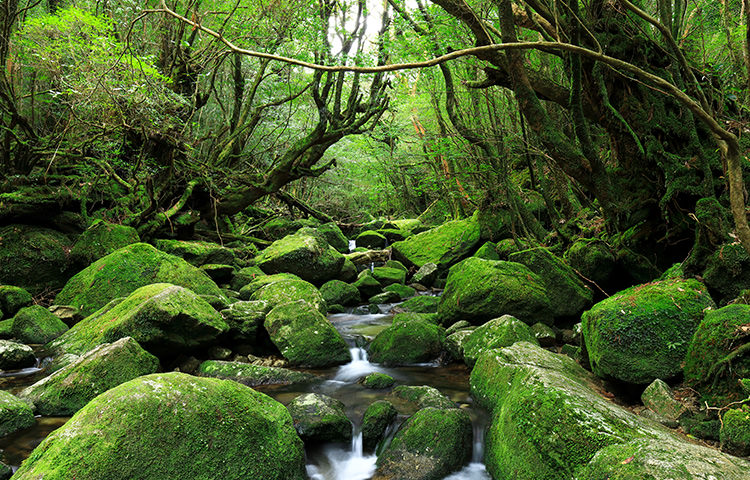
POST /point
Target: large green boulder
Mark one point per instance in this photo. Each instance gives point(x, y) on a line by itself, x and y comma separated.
point(305, 254)
point(367, 285)
point(164, 319)
point(197, 253)
point(245, 319)
point(735, 431)
point(253, 375)
point(15, 414)
point(127, 269)
point(727, 272)
point(247, 290)
point(375, 421)
point(548, 419)
point(421, 396)
point(643, 333)
point(280, 227)
point(320, 418)
point(12, 299)
point(420, 304)
point(36, 324)
point(100, 239)
point(444, 245)
point(244, 276)
point(718, 355)
point(371, 239)
point(389, 275)
point(567, 294)
point(172, 425)
point(334, 236)
point(407, 342)
point(34, 258)
point(305, 337)
point(428, 446)
point(336, 292)
point(593, 258)
point(15, 355)
point(497, 333)
point(478, 290)
point(286, 290)
point(67, 390)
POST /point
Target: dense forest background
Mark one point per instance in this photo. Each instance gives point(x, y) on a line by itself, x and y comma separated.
point(625, 121)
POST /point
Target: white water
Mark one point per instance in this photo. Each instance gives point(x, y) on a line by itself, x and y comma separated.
point(352, 245)
point(357, 368)
point(340, 464)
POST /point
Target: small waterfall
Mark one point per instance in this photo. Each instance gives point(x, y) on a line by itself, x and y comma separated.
point(340, 464)
point(357, 368)
point(476, 469)
point(352, 245)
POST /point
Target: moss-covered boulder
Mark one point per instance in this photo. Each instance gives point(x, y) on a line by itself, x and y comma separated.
point(431, 444)
point(253, 375)
point(245, 319)
point(219, 273)
point(497, 333)
point(389, 275)
point(454, 344)
point(320, 418)
point(334, 236)
point(420, 304)
point(544, 334)
point(67, 390)
point(420, 396)
point(305, 337)
point(127, 269)
point(488, 251)
point(403, 291)
point(338, 292)
point(658, 398)
point(649, 459)
point(244, 276)
point(34, 258)
point(643, 333)
point(377, 381)
point(348, 271)
point(718, 355)
point(164, 319)
point(367, 285)
point(567, 294)
point(213, 427)
point(727, 272)
point(14, 356)
point(375, 421)
point(735, 432)
point(15, 414)
point(280, 227)
point(261, 281)
point(289, 290)
point(100, 239)
point(12, 299)
point(426, 275)
point(593, 258)
point(405, 343)
point(305, 254)
point(478, 290)
point(443, 246)
point(36, 324)
point(385, 297)
point(195, 252)
point(371, 239)
point(548, 419)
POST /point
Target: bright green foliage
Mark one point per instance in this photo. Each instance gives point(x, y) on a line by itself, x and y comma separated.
point(305, 254)
point(338, 292)
point(35, 324)
point(428, 446)
point(643, 333)
point(164, 319)
point(124, 270)
point(67, 390)
point(497, 333)
point(100, 239)
point(252, 375)
point(376, 420)
point(487, 251)
point(320, 418)
point(388, 275)
point(213, 427)
point(33, 258)
point(444, 245)
point(479, 290)
point(287, 290)
point(197, 253)
point(735, 432)
point(15, 414)
point(421, 304)
point(405, 343)
point(12, 299)
point(304, 336)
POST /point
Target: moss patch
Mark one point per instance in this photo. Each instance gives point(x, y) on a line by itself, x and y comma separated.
point(35, 324)
point(405, 343)
point(100, 239)
point(34, 258)
point(15, 414)
point(253, 375)
point(305, 254)
point(443, 246)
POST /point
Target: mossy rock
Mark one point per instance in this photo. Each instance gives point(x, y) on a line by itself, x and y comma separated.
point(408, 224)
point(478, 290)
point(261, 281)
point(165, 319)
point(422, 396)
point(727, 272)
point(244, 276)
point(334, 236)
point(195, 252)
point(548, 419)
point(544, 334)
point(567, 293)
point(123, 271)
point(67, 390)
point(487, 251)
point(443, 246)
point(394, 234)
point(36, 324)
point(497, 333)
point(643, 333)
point(34, 258)
point(348, 271)
point(368, 286)
point(413, 316)
point(338, 292)
point(219, 273)
point(371, 239)
point(735, 432)
point(431, 444)
point(216, 427)
point(280, 227)
point(403, 291)
point(320, 418)
point(593, 258)
point(15, 414)
point(454, 343)
point(714, 359)
point(285, 291)
point(253, 375)
point(377, 381)
point(649, 459)
point(12, 299)
point(658, 398)
point(421, 304)
point(426, 275)
point(385, 297)
point(305, 337)
point(101, 239)
point(389, 275)
point(5, 328)
point(507, 247)
point(14, 356)
point(305, 254)
point(245, 319)
point(375, 421)
point(405, 343)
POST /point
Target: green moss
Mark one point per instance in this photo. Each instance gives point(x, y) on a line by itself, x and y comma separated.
point(348, 271)
point(100, 239)
point(478, 290)
point(728, 272)
point(305, 254)
point(164, 319)
point(405, 343)
point(127, 269)
point(335, 238)
point(422, 396)
point(261, 281)
point(375, 421)
point(304, 336)
point(280, 227)
point(67, 390)
point(320, 418)
point(421, 304)
point(215, 427)
point(412, 316)
point(245, 319)
point(497, 333)
point(244, 276)
point(643, 333)
point(15, 355)
point(197, 253)
point(388, 275)
point(403, 291)
point(12, 299)
point(444, 245)
point(253, 375)
point(368, 286)
point(658, 398)
point(338, 292)
point(15, 414)
point(371, 239)
point(34, 258)
point(35, 324)
point(593, 258)
point(487, 251)
point(285, 291)
point(377, 381)
point(735, 432)
point(385, 297)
